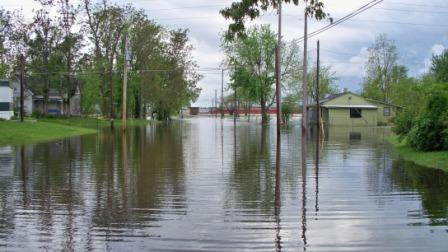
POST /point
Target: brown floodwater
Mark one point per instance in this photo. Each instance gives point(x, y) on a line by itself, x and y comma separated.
point(204, 185)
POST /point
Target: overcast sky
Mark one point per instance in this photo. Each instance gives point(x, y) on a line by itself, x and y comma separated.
point(419, 29)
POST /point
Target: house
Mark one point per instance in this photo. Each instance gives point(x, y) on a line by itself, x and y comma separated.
point(350, 109)
point(57, 104)
point(6, 100)
point(27, 100)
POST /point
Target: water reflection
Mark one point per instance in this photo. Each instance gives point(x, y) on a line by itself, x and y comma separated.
point(431, 185)
point(277, 204)
point(209, 185)
point(304, 196)
point(79, 192)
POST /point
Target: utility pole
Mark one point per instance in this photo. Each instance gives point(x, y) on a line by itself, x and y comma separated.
point(216, 103)
point(222, 93)
point(305, 77)
point(278, 79)
point(22, 66)
point(234, 105)
point(317, 103)
point(124, 112)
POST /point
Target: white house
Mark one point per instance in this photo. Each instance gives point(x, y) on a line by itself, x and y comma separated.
point(27, 100)
point(6, 100)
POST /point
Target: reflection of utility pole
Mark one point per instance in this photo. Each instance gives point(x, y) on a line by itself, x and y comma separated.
point(277, 201)
point(125, 82)
point(222, 93)
point(278, 78)
point(22, 66)
point(305, 77)
point(317, 104)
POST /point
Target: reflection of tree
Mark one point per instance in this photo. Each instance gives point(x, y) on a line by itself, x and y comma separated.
point(253, 179)
point(99, 181)
point(432, 185)
point(155, 168)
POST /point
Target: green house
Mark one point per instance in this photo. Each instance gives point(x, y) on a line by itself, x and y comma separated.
point(350, 109)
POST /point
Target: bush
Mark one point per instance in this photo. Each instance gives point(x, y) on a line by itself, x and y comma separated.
point(430, 132)
point(403, 122)
point(287, 110)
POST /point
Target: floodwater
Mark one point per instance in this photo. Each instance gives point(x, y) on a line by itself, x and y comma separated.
point(202, 185)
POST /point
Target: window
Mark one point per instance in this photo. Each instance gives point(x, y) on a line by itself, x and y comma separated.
point(386, 111)
point(355, 113)
point(4, 106)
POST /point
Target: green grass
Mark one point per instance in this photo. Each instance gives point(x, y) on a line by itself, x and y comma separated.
point(41, 130)
point(92, 122)
point(433, 159)
point(14, 133)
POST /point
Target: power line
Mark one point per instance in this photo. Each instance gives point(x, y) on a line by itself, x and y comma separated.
point(418, 5)
point(350, 15)
point(408, 10)
point(187, 7)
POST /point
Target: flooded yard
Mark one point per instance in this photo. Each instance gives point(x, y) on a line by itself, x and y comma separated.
point(204, 185)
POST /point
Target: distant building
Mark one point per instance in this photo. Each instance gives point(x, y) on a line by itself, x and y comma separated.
point(6, 100)
point(349, 109)
point(57, 104)
point(194, 111)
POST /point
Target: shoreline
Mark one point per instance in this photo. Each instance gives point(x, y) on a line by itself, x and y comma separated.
point(433, 159)
point(46, 129)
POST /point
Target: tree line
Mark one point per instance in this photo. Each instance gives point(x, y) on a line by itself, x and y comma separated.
point(67, 46)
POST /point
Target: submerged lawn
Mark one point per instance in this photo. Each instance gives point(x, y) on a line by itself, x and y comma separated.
point(14, 133)
point(434, 159)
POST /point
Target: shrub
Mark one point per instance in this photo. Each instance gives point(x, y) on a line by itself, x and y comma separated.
point(403, 122)
point(430, 132)
point(287, 110)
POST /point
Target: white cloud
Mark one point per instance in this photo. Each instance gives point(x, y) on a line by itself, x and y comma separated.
point(436, 49)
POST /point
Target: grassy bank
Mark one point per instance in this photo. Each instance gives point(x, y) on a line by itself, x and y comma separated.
point(91, 122)
point(41, 130)
point(434, 159)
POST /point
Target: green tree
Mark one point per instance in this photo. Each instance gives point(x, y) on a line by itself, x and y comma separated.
point(439, 66)
point(43, 52)
point(382, 60)
point(105, 24)
point(169, 91)
point(5, 29)
point(252, 65)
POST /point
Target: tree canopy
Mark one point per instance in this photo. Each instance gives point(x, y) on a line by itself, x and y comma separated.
point(439, 66)
point(80, 45)
point(241, 10)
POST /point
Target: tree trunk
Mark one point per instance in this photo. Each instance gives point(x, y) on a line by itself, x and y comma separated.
point(45, 102)
point(111, 95)
point(264, 114)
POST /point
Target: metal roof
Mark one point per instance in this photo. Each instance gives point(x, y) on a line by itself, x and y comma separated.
point(351, 106)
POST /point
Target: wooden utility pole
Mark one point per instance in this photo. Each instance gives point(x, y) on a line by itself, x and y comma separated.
point(234, 105)
point(305, 77)
point(317, 104)
point(22, 86)
point(124, 112)
point(278, 79)
point(222, 93)
point(216, 103)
